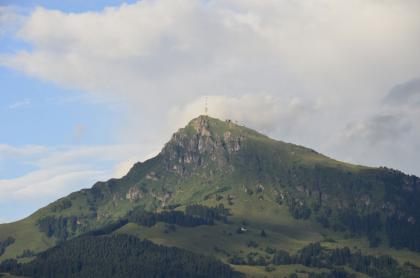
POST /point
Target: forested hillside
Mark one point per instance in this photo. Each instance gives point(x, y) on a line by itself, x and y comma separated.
point(117, 256)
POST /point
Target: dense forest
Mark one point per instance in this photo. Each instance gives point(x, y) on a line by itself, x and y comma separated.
point(58, 227)
point(315, 256)
point(117, 256)
point(335, 273)
point(63, 228)
point(354, 208)
point(194, 215)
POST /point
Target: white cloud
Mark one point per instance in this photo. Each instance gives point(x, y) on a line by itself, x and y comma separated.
point(180, 49)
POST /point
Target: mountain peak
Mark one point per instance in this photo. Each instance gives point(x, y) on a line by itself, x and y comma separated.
point(204, 125)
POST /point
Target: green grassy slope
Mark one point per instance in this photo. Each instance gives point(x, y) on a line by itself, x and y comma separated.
point(27, 237)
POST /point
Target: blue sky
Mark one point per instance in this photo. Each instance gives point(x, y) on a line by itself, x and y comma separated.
point(87, 88)
point(37, 112)
point(31, 108)
point(66, 5)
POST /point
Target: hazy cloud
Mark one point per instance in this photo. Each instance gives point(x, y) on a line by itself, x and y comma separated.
point(7, 151)
point(10, 19)
point(47, 183)
point(20, 104)
point(405, 93)
point(390, 136)
point(379, 128)
point(263, 112)
point(61, 170)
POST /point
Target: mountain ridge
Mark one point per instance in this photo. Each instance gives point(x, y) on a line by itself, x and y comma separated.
point(264, 181)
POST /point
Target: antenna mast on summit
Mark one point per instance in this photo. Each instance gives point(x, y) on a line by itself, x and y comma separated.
point(206, 107)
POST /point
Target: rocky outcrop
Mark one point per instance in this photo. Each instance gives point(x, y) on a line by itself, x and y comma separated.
point(152, 176)
point(201, 145)
point(134, 194)
point(163, 197)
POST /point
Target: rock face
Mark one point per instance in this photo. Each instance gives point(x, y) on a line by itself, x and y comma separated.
point(199, 145)
point(134, 194)
point(152, 176)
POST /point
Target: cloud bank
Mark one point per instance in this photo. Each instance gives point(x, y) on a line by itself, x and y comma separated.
point(180, 48)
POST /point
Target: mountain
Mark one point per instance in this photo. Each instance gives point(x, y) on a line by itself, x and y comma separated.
point(224, 190)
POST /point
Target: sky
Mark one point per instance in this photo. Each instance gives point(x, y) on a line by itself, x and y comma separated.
point(87, 88)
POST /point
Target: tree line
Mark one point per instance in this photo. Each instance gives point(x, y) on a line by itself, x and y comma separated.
point(6, 243)
point(117, 256)
point(314, 255)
